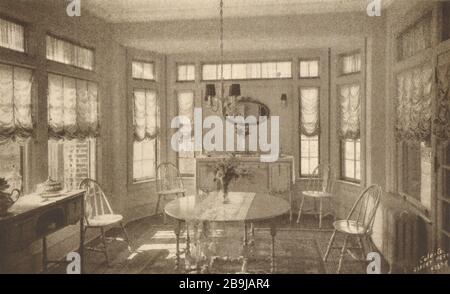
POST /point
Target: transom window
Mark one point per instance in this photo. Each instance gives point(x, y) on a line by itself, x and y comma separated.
point(185, 72)
point(12, 35)
point(309, 68)
point(143, 70)
point(69, 53)
point(351, 63)
point(247, 71)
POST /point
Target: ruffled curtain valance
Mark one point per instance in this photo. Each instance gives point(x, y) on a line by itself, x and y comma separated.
point(350, 112)
point(16, 120)
point(414, 93)
point(309, 112)
point(72, 108)
point(146, 115)
point(442, 121)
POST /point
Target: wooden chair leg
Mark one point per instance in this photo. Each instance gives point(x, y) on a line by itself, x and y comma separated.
point(300, 209)
point(343, 251)
point(44, 255)
point(105, 246)
point(127, 239)
point(157, 204)
point(363, 247)
point(320, 213)
point(330, 244)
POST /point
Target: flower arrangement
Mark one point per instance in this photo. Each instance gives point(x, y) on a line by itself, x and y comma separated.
point(226, 171)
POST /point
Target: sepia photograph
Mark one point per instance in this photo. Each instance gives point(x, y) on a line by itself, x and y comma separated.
point(243, 138)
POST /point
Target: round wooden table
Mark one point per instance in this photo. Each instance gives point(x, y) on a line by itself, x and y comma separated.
point(242, 207)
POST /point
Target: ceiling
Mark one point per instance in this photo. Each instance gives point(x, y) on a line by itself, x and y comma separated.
point(126, 11)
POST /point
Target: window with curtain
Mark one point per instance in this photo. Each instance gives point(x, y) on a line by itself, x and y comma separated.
point(309, 68)
point(309, 130)
point(349, 131)
point(143, 70)
point(351, 63)
point(413, 131)
point(73, 128)
point(146, 134)
point(247, 71)
point(12, 35)
point(68, 53)
point(186, 155)
point(185, 72)
point(16, 122)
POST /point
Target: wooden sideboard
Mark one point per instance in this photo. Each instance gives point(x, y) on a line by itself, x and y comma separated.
point(276, 178)
point(33, 218)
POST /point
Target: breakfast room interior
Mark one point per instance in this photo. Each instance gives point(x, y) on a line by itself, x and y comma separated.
point(224, 136)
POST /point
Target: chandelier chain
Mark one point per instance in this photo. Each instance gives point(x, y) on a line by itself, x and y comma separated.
point(221, 49)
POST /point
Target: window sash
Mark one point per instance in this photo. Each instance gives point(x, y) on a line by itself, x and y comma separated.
point(309, 156)
point(71, 161)
point(145, 162)
point(351, 160)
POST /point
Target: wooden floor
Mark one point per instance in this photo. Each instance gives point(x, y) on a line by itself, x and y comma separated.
point(298, 249)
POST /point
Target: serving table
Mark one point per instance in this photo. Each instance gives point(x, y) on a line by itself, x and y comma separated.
point(242, 207)
point(33, 218)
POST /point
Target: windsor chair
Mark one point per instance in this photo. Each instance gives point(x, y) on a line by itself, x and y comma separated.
point(99, 215)
point(319, 187)
point(168, 183)
point(358, 225)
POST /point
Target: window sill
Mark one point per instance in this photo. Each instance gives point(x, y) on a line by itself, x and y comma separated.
point(140, 182)
point(355, 184)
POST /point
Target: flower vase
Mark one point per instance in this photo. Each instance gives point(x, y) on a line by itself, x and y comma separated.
point(226, 199)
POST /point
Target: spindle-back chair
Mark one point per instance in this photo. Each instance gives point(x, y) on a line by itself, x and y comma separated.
point(319, 186)
point(98, 214)
point(358, 224)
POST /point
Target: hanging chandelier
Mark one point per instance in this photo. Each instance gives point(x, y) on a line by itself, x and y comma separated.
point(221, 103)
